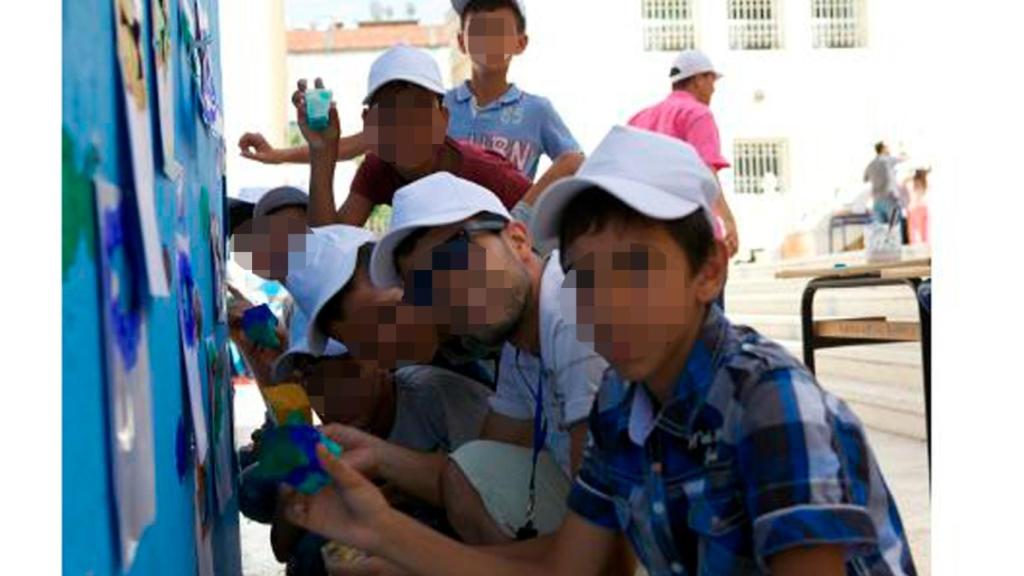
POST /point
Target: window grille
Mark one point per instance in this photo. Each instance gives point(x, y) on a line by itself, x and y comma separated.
point(838, 23)
point(668, 25)
point(759, 166)
point(754, 25)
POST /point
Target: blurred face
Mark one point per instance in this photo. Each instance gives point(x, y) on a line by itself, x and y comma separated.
point(404, 125)
point(471, 281)
point(491, 39)
point(376, 327)
point(265, 244)
point(704, 86)
point(637, 297)
point(346, 391)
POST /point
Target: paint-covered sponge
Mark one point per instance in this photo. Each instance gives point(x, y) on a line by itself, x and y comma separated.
point(289, 404)
point(288, 455)
point(260, 326)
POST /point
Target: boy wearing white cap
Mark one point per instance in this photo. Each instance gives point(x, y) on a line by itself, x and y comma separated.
point(711, 447)
point(419, 408)
point(685, 114)
point(462, 259)
point(405, 128)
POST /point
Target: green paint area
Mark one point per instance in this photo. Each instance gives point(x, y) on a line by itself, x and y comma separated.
point(204, 212)
point(78, 218)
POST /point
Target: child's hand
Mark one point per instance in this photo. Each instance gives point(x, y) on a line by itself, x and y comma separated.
point(360, 450)
point(325, 140)
point(255, 147)
point(350, 511)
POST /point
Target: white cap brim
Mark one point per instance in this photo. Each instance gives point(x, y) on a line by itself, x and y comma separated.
point(684, 75)
point(420, 80)
point(316, 341)
point(382, 262)
point(648, 200)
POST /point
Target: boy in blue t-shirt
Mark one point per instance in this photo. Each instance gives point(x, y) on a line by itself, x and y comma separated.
point(489, 111)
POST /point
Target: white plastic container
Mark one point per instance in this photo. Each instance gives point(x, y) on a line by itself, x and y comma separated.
point(882, 243)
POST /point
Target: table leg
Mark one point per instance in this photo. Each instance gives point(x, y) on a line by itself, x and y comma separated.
point(807, 323)
point(926, 365)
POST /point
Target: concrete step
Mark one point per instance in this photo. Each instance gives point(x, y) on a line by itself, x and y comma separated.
point(887, 419)
point(774, 326)
point(894, 303)
point(896, 364)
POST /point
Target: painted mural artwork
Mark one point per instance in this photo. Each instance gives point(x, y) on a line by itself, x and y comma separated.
point(219, 379)
point(190, 320)
point(217, 247)
point(165, 85)
point(208, 97)
point(131, 54)
point(127, 362)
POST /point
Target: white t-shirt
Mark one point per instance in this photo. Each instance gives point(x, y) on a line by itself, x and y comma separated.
point(571, 372)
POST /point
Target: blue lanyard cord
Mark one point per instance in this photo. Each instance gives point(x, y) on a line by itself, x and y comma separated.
point(540, 431)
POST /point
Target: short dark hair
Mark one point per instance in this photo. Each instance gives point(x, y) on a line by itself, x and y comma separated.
point(879, 146)
point(594, 209)
point(476, 6)
point(334, 308)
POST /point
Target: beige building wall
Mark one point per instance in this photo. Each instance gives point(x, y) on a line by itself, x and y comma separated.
point(254, 73)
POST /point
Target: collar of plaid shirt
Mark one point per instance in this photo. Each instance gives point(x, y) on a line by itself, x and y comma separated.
point(691, 386)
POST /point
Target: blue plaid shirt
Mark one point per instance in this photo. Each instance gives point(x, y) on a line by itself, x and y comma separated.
point(749, 458)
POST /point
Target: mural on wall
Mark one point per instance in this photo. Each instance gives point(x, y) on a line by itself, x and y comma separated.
point(131, 51)
point(165, 84)
point(136, 126)
point(127, 361)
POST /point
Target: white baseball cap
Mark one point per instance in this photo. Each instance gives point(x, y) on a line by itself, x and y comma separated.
point(328, 265)
point(659, 176)
point(436, 200)
point(690, 63)
point(403, 62)
point(460, 5)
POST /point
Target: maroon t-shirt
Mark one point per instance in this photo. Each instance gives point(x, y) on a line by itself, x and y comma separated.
point(378, 181)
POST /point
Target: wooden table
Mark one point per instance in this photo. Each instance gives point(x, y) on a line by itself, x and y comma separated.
point(833, 333)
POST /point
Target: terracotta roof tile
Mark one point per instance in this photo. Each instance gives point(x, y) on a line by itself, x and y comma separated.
point(367, 37)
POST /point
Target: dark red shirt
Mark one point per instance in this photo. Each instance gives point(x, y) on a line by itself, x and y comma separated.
point(378, 181)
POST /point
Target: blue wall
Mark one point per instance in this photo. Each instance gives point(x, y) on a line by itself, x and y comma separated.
point(93, 114)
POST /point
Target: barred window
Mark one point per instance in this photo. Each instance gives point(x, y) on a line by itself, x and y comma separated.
point(759, 166)
point(668, 25)
point(754, 25)
point(838, 23)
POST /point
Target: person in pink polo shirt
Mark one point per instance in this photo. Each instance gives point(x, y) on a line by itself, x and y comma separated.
point(684, 114)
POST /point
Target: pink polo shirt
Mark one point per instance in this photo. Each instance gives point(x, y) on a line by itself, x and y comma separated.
point(682, 116)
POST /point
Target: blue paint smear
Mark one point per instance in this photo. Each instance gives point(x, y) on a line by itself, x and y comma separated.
point(186, 285)
point(181, 450)
point(125, 317)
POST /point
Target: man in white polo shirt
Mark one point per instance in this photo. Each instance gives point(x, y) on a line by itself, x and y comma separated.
point(459, 256)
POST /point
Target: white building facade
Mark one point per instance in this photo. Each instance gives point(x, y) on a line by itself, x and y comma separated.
point(809, 87)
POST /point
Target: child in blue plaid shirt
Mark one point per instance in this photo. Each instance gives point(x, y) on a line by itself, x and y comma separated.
point(712, 449)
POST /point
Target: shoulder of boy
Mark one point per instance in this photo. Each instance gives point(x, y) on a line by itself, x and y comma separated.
point(757, 356)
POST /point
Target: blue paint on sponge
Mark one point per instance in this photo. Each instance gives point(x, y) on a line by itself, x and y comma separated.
point(288, 455)
point(260, 326)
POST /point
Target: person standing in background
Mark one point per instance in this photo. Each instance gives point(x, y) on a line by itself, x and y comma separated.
point(881, 173)
point(685, 114)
